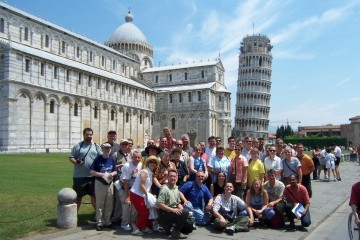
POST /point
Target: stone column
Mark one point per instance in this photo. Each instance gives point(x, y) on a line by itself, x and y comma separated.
point(67, 208)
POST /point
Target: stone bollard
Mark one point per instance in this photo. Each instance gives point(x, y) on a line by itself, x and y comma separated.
point(67, 208)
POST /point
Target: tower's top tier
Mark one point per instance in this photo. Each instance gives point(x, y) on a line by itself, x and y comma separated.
point(256, 44)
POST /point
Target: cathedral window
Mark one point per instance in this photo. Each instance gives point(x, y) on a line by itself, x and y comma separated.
point(76, 109)
point(27, 65)
point(186, 76)
point(156, 78)
point(114, 65)
point(26, 34)
point(98, 83)
point(170, 77)
point(170, 98)
point(56, 72)
point(219, 98)
point(89, 81)
point(189, 96)
point(91, 57)
point(115, 87)
point(2, 25)
point(140, 119)
point(77, 51)
point(68, 75)
point(96, 112)
point(42, 69)
point(129, 92)
point(180, 97)
point(52, 106)
point(102, 61)
point(63, 45)
point(112, 115)
point(47, 41)
point(107, 86)
point(199, 95)
point(152, 121)
point(202, 74)
point(127, 117)
point(80, 77)
point(173, 122)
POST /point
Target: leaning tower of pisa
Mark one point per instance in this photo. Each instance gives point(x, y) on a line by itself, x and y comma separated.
point(253, 88)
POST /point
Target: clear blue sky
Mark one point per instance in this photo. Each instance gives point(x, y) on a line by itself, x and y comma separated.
point(316, 54)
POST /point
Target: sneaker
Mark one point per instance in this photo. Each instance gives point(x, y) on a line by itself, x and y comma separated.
point(147, 230)
point(126, 227)
point(335, 180)
point(155, 226)
point(177, 235)
point(339, 179)
point(137, 232)
point(194, 226)
point(230, 230)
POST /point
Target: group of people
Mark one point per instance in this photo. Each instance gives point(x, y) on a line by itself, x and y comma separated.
point(176, 187)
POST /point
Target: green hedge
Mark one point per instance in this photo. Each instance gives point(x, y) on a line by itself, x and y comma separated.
point(313, 141)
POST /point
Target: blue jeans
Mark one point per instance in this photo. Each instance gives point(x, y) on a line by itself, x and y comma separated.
point(305, 220)
point(201, 218)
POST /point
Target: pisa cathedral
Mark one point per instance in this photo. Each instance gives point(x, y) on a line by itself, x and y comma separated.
point(54, 83)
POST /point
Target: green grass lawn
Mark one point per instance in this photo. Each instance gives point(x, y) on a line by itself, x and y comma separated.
point(29, 184)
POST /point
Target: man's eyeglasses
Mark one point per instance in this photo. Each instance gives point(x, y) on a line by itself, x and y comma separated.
point(248, 141)
point(272, 150)
point(238, 149)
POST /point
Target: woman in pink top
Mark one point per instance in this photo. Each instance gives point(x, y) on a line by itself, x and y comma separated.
point(238, 169)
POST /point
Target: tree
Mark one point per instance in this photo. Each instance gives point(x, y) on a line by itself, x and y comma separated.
point(283, 131)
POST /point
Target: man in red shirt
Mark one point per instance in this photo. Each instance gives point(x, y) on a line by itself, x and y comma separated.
point(355, 201)
point(297, 193)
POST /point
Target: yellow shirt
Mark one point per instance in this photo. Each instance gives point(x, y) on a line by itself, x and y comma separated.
point(255, 169)
point(230, 153)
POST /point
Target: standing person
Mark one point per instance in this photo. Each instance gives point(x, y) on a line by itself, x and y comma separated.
point(130, 146)
point(262, 149)
point(186, 144)
point(280, 148)
point(145, 154)
point(358, 153)
point(163, 144)
point(330, 163)
point(181, 168)
point(122, 158)
point(198, 199)
point(337, 153)
point(256, 169)
point(230, 150)
point(247, 148)
point(115, 147)
point(197, 163)
point(218, 141)
point(273, 162)
point(219, 163)
point(103, 169)
point(170, 209)
point(315, 157)
point(184, 156)
point(228, 206)
point(210, 151)
point(354, 201)
point(322, 163)
point(139, 192)
point(290, 166)
point(297, 193)
point(307, 167)
point(82, 156)
point(129, 173)
point(161, 173)
point(238, 168)
point(219, 186)
point(170, 141)
point(258, 200)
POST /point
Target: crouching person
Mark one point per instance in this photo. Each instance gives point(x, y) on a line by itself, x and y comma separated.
point(104, 169)
point(198, 199)
point(171, 212)
point(297, 193)
point(231, 213)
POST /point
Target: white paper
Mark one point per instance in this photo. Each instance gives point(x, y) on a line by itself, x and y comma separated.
point(106, 177)
point(298, 209)
point(117, 184)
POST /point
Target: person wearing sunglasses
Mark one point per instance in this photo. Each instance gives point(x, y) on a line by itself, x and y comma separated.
point(273, 162)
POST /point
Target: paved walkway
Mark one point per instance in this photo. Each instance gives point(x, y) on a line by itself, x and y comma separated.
point(327, 197)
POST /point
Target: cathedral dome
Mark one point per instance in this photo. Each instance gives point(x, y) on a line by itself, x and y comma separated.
point(128, 33)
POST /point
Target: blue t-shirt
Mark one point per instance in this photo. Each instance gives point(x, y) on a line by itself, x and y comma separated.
point(103, 165)
point(195, 194)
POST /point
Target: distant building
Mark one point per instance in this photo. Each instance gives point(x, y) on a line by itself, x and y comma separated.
point(54, 83)
point(253, 88)
point(330, 130)
point(352, 131)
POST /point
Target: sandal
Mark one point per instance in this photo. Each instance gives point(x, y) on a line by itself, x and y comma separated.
point(137, 232)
